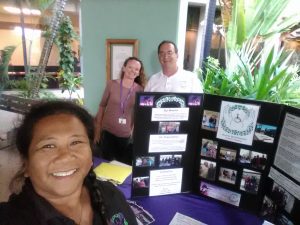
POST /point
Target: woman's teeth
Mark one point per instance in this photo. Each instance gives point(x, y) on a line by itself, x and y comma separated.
point(63, 174)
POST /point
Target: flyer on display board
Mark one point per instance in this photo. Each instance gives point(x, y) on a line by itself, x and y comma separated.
point(237, 122)
point(220, 193)
point(288, 155)
point(167, 143)
point(167, 181)
point(170, 114)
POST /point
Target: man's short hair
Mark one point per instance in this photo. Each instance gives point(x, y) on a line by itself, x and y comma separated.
point(167, 42)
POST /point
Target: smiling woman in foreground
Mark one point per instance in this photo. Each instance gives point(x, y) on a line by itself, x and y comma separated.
point(59, 186)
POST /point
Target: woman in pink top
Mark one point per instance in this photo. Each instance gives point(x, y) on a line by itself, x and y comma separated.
point(114, 120)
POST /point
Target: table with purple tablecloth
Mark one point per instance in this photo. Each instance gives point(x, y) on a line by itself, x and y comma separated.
point(163, 208)
point(208, 211)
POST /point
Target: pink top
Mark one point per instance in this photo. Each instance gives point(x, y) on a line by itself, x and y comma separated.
point(111, 102)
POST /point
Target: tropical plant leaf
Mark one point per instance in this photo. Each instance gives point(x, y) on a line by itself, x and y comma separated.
point(256, 66)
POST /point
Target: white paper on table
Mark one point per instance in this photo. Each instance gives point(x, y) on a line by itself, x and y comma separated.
point(180, 219)
point(166, 181)
point(267, 223)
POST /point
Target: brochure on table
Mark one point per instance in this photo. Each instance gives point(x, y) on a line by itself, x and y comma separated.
point(220, 147)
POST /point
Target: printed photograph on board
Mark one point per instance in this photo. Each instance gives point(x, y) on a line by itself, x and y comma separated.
point(209, 148)
point(227, 175)
point(250, 181)
point(146, 100)
point(194, 100)
point(282, 198)
point(168, 127)
point(227, 154)
point(141, 182)
point(268, 209)
point(207, 169)
point(265, 133)
point(170, 160)
point(165, 181)
point(210, 120)
point(253, 159)
point(145, 161)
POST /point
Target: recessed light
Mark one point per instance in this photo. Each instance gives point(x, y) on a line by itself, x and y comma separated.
point(26, 11)
point(31, 33)
point(12, 10)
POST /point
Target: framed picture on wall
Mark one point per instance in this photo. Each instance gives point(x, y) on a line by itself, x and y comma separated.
point(117, 50)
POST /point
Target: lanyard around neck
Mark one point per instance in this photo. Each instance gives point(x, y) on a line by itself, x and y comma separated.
point(123, 102)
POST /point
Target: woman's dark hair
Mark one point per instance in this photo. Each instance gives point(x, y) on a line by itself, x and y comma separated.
point(42, 110)
point(141, 79)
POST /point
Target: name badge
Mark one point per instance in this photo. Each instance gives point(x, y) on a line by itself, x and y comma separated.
point(122, 121)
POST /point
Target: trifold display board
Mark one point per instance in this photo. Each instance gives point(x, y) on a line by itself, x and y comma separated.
point(165, 140)
point(242, 152)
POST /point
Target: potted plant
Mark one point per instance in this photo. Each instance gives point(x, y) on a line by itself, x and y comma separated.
point(257, 67)
point(68, 80)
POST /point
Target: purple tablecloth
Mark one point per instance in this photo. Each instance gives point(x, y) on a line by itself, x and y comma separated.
point(163, 208)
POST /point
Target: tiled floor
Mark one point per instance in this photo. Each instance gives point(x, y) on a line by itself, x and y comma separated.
point(9, 164)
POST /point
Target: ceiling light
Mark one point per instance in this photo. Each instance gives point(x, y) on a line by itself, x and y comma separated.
point(12, 10)
point(29, 33)
point(35, 12)
point(26, 11)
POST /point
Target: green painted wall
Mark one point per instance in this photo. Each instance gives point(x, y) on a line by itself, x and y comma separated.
point(149, 21)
